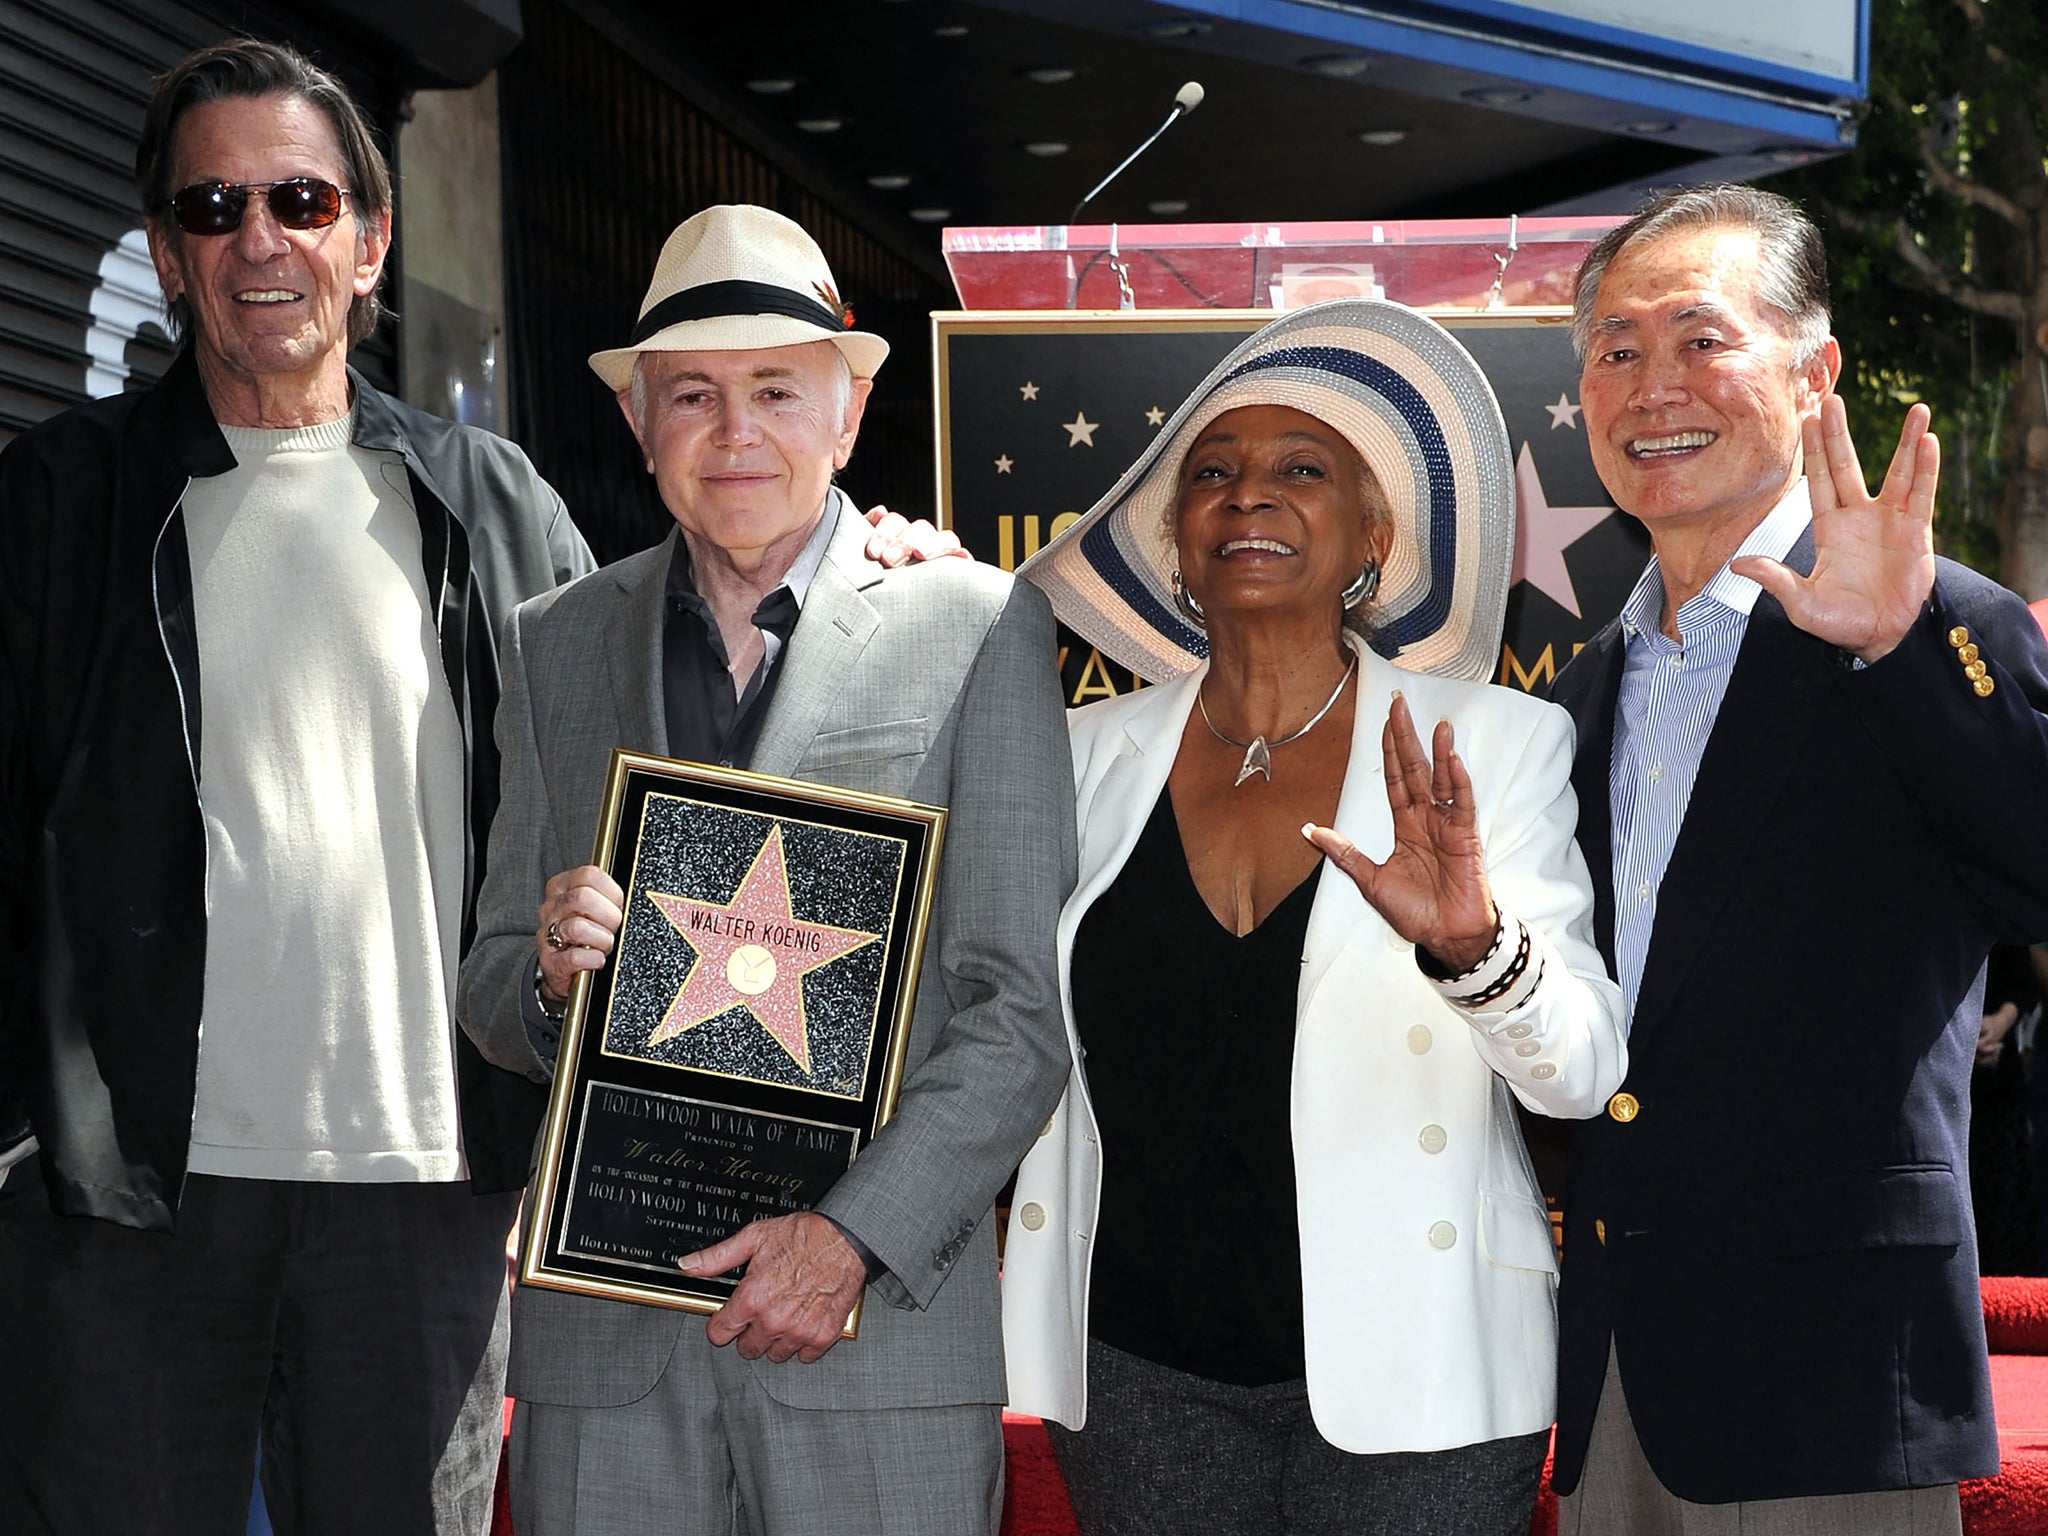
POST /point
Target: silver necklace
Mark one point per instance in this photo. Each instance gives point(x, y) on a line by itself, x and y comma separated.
point(1258, 752)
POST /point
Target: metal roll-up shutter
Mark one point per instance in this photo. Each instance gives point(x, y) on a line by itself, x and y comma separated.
point(80, 311)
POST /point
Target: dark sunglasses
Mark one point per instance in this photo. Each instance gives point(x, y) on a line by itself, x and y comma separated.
point(216, 207)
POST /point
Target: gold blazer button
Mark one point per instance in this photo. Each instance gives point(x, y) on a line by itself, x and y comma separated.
point(1967, 653)
point(1623, 1107)
point(1983, 685)
point(1959, 637)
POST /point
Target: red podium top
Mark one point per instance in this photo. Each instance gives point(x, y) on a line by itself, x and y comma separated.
point(1440, 262)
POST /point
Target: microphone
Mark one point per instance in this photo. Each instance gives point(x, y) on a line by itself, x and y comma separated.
point(1185, 100)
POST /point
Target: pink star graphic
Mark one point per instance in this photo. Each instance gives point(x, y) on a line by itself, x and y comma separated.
point(1542, 533)
point(752, 951)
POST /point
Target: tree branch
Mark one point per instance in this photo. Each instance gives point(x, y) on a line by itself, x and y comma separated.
point(1979, 23)
point(1957, 185)
point(2020, 90)
point(1928, 273)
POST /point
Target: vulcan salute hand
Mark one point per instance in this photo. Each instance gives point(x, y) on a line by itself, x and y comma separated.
point(1873, 561)
point(1432, 888)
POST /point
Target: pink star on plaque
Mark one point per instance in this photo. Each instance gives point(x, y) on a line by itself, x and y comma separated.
point(752, 951)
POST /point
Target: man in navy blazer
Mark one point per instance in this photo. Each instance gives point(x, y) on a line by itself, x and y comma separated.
point(1813, 786)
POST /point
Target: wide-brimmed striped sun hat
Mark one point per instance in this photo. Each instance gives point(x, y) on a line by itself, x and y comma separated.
point(1419, 412)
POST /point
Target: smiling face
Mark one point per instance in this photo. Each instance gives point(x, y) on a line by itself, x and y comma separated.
point(1276, 513)
point(269, 304)
point(743, 444)
point(1692, 400)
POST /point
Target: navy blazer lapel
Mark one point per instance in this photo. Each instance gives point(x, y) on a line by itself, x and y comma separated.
point(833, 627)
point(1589, 688)
point(1772, 705)
point(632, 648)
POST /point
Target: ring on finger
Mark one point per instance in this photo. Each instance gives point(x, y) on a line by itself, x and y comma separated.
point(555, 939)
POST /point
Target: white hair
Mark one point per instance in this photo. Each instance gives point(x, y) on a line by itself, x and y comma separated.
point(841, 386)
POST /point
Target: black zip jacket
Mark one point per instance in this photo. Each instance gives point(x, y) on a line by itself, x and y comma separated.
point(102, 848)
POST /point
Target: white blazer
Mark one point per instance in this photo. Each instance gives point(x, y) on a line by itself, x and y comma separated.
point(1428, 1277)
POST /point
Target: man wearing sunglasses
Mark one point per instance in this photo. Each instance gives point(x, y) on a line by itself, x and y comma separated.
point(255, 1182)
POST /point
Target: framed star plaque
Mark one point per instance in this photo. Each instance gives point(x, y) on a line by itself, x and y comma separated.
point(746, 1039)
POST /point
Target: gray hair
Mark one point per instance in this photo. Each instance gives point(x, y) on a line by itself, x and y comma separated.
point(244, 67)
point(842, 389)
point(1792, 268)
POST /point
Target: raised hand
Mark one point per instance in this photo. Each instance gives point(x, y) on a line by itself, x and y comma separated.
point(1873, 560)
point(1432, 887)
point(802, 1280)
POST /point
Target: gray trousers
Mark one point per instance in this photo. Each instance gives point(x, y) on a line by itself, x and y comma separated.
point(709, 1453)
point(1618, 1495)
point(358, 1330)
point(1167, 1453)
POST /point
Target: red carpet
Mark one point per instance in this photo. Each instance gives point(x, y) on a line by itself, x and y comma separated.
point(1034, 1496)
point(2015, 1503)
point(2015, 1315)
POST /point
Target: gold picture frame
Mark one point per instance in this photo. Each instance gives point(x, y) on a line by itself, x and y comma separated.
point(745, 1038)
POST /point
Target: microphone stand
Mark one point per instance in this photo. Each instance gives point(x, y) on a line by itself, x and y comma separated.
point(1186, 101)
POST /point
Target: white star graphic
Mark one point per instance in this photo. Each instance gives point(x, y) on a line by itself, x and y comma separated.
point(1080, 430)
point(1154, 417)
point(1028, 390)
point(1003, 463)
point(1564, 413)
point(1542, 533)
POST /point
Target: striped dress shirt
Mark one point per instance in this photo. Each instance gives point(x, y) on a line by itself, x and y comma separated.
point(1671, 692)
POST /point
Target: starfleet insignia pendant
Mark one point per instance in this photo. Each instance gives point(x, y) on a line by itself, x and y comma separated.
point(1257, 759)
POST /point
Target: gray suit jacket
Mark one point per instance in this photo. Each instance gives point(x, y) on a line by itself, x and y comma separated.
point(935, 682)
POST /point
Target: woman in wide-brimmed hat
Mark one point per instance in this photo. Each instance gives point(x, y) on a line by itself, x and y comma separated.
point(1281, 1247)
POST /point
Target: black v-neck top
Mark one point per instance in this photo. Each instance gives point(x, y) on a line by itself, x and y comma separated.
point(1189, 1035)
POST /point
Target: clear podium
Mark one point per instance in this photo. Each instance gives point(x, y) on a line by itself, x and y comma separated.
point(1465, 264)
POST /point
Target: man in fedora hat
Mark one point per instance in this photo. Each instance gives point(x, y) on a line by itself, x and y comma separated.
point(760, 636)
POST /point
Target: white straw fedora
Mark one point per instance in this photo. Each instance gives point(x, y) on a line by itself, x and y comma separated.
point(1417, 409)
point(735, 278)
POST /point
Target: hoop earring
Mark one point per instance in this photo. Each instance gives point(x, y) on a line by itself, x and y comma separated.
point(1363, 586)
point(1184, 600)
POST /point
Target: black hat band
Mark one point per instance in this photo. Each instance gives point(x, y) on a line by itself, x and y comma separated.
point(736, 296)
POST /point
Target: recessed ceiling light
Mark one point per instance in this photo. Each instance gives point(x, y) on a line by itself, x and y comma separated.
point(1178, 26)
point(889, 181)
point(1052, 74)
point(955, 30)
point(1646, 125)
point(1499, 96)
point(821, 124)
point(1381, 138)
point(771, 86)
point(1045, 149)
point(1168, 207)
point(1339, 66)
point(931, 215)
point(1786, 154)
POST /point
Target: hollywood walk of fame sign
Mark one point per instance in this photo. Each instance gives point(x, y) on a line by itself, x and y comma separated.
point(747, 1037)
point(1039, 412)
